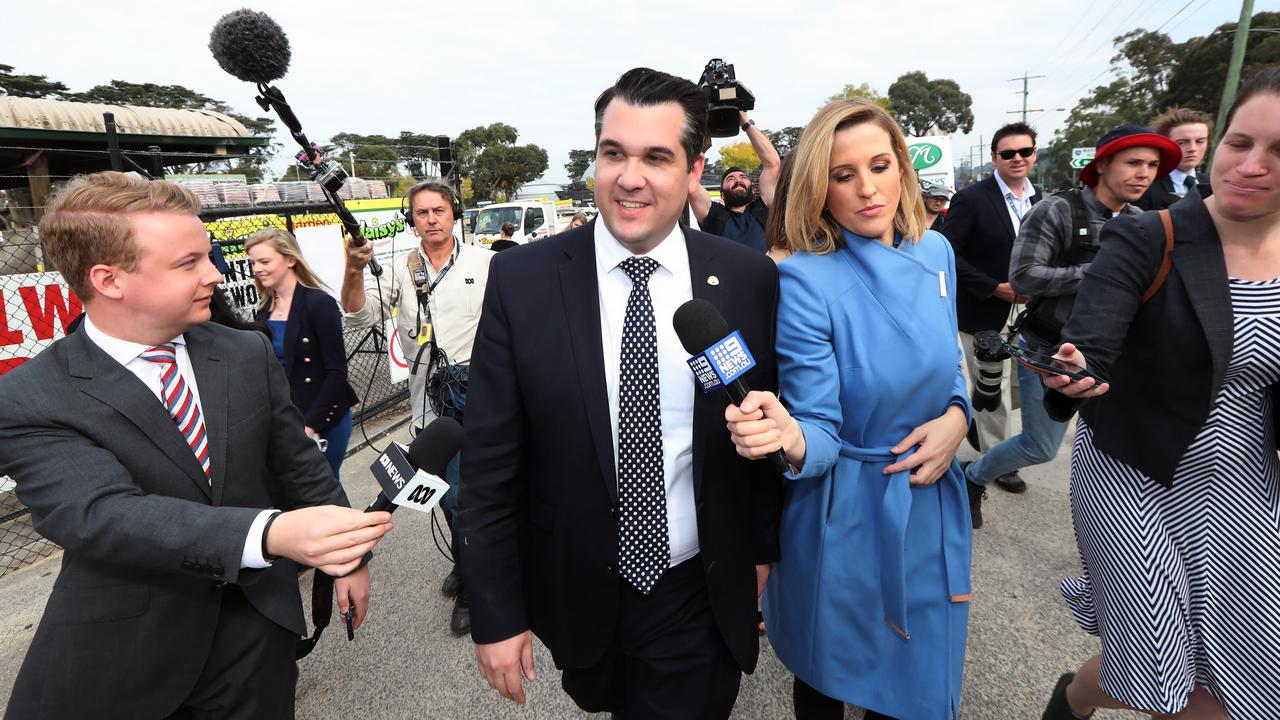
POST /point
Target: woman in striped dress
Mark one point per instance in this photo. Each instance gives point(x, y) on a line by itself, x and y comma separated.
point(1175, 483)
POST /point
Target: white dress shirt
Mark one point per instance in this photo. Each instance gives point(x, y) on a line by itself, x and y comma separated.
point(1179, 180)
point(129, 354)
point(670, 286)
point(1018, 207)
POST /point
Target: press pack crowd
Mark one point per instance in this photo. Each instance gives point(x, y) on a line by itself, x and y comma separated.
point(637, 525)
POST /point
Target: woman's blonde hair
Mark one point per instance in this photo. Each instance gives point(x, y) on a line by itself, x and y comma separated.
point(809, 226)
point(284, 243)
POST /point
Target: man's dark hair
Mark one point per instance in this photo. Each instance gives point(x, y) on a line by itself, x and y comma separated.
point(1017, 128)
point(731, 170)
point(1264, 82)
point(644, 87)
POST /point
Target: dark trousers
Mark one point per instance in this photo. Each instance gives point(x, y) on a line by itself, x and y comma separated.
point(250, 672)
point(667, 659)
point(810, 704)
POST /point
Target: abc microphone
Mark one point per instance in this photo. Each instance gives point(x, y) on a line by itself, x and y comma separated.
point(720, 357)
point(413, 478)
point(253, 47)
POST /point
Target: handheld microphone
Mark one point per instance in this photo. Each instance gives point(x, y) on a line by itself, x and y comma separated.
point(413, 479)
point(253, 47)
point(720, 357)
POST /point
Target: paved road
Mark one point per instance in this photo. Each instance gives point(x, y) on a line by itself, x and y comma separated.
point(404, 663)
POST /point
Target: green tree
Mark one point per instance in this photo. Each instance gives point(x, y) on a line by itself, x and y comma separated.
point(579, 161)
point(1196, 78)
point(374, 156)
point(504, 168)
point(471, 143)
point(740, 155)
point(784, 140)
point(862, 90)
point(922, 105)
point(29, 86)
point(414, 150)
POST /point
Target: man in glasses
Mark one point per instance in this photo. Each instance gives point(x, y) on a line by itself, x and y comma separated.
point(1055, 245)
point(1191, 130)
point(981, 224)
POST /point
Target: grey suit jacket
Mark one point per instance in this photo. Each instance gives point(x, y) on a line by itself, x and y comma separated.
point(150, 543)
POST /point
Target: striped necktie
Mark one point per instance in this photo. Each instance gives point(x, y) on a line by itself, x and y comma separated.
point(181, 402)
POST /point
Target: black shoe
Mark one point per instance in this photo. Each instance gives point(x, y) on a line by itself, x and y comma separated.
point(1058, 709)
point(452, 584)
point(460, 620)
point(976, 494)
point(1012, 482)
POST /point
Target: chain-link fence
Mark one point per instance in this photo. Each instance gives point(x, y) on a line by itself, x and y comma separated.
point(36, 307)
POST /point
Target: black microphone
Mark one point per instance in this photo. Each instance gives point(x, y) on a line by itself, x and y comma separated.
point(253, 47)
point(413, 479)
point(720, 356)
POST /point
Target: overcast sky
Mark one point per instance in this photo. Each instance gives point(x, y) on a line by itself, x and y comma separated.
point(377, 66)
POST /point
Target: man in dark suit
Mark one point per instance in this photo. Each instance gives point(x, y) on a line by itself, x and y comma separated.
point(1191, 129)
point(981, 224)
point(178, 594)
point(604, 507)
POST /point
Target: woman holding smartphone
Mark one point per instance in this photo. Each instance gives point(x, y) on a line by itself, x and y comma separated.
point(1175, 482)
point(306, 329)
point(869, 602)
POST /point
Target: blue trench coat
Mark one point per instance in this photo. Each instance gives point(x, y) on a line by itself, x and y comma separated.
point(869, 602)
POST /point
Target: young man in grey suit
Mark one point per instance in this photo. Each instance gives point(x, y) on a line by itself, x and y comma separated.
point(178, 594)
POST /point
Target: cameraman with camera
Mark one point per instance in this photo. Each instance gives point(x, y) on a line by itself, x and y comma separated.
point(743, 215)
point(437, 290)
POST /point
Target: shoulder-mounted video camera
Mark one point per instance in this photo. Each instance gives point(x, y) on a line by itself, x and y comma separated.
point(725, 98)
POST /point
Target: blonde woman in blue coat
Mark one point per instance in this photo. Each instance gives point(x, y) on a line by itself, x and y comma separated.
point(869, 602)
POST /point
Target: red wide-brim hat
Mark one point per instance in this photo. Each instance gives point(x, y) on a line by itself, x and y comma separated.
point(1170, 154)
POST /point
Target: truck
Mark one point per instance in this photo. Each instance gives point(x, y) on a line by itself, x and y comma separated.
point(533, 219)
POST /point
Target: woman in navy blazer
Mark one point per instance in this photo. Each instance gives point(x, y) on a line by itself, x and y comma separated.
point(306, 328)
point(1175, 480)
point(869, 602)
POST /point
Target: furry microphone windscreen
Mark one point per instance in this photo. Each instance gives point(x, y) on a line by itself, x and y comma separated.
point(251, 46)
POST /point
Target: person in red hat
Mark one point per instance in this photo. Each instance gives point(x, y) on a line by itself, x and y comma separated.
point(1055, 245)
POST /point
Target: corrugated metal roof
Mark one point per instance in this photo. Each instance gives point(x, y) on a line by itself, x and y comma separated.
point(66, 116)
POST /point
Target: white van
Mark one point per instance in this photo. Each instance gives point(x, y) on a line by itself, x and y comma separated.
point(533, 219)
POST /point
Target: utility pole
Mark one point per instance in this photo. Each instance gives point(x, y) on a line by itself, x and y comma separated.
point(1233, 69)
point(1024, 79)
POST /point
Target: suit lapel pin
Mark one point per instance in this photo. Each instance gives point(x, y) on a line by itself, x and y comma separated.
point(713, 280)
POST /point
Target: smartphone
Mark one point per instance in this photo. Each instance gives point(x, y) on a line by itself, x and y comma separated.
point(1048, 363)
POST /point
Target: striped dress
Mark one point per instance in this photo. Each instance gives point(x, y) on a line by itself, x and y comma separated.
point(1182, 584)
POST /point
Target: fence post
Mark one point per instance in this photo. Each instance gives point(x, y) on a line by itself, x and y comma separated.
point(157, 162)
point(113, 142)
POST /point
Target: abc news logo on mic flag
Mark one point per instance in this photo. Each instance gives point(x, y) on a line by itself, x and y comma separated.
point(405, 487)
point(722, 363)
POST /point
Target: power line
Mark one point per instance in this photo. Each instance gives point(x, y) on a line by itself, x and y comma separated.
point(1188, 17)
point(1063, 38)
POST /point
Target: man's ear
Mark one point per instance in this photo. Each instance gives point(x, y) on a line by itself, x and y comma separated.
point(105, 281)
point(695, 173)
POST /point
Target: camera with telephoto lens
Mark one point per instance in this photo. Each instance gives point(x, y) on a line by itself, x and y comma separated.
point(988, 346)
point(725, 98)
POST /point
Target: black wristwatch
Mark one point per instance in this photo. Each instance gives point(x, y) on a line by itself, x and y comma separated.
point(748, 122)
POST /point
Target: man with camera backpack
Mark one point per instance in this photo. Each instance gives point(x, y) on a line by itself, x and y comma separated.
point(437, 289)
point(1056, 243)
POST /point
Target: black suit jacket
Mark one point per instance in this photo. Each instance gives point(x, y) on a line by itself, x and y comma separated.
point(1161, 195)
point(149, 542)
point(315, 358)
point(539, 487)
point(1165, 359)
point(980, 230)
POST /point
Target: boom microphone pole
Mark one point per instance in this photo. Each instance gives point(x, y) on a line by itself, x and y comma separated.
point(253, 47)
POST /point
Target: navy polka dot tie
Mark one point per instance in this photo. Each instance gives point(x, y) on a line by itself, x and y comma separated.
point(643, 549)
